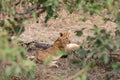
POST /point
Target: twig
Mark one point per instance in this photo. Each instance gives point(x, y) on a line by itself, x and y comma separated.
point(17, 2)
point(77, 74)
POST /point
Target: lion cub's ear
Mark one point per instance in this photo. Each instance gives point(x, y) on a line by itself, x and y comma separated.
point(65, 34)
point(69, 33)
point(61, 34)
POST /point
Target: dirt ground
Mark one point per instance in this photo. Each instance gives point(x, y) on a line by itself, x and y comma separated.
point(37, 30)
point(48, 32)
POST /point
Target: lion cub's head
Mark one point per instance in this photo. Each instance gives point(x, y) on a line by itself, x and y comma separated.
point(63, 40)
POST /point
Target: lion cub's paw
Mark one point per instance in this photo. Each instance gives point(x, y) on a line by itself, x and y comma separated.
point(53, 64)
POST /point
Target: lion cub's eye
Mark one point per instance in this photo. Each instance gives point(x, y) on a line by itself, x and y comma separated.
point(66, 38)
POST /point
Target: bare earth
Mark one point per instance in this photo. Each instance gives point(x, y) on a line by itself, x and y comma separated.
point(42, 32)
point(47, 33)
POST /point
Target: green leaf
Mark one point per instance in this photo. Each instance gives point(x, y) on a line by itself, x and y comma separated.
point(78, 78)
point(17, 70)
point(32, 1)
point(117, 41)
point(8, 70)
point(82, 52)
point(60, 52)
point(84, 76)
point(109, 3)
point(79, 32)
point(96, 29)
point(22, 52)
point(0, 7)
point(56, 3)
point(50, 13)
point(105, 58)
point(83, 19)
point(55, 16)
point(117, 32)
point(118, 19)
point(90, 55)
point(48, 60)
point(89, 38)
point(29, 64)
point(34, 14)
point(25, 21)
point(115, 65)
point(98, 42)
point(14, 11)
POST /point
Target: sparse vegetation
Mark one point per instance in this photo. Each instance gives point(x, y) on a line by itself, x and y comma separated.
point(102, 49)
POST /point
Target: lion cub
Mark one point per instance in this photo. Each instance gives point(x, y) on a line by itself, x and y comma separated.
point(59, 45)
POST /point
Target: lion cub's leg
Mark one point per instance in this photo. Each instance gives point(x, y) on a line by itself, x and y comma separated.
point(53, 64)
point(53, 61)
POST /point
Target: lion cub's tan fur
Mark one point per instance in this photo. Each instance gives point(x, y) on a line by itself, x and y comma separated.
point(59, 44)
